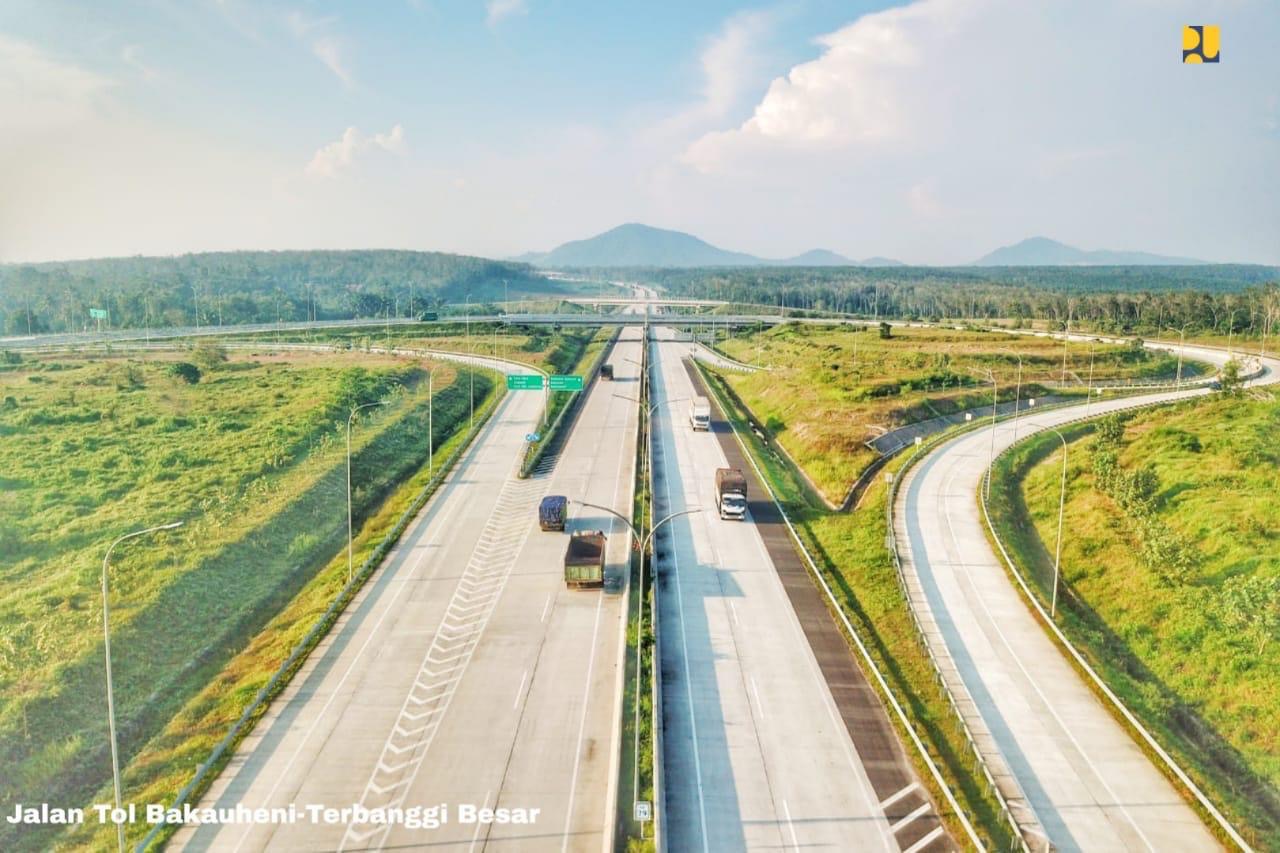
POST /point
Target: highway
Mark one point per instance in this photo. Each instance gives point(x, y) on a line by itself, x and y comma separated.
point(1088, 782)
point(465, 673)
point(756, 755)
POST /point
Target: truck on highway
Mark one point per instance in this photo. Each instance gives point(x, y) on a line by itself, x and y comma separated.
point(700, 413)
point(584, 560)
point(429, 316)
point(606, 372)
point(552, 512)
point(731, 493)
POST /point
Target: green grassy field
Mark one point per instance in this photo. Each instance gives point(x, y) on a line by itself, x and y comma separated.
point(1172, 580)
point(850, 551)
point(831, 388)
point(251, 458)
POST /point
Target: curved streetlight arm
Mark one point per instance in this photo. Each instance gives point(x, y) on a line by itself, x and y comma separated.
point(616, 515)
point(657, 526)
point(106, 646)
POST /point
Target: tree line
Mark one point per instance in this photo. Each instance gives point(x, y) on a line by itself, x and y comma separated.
point(230, 288)
point(1219, 299)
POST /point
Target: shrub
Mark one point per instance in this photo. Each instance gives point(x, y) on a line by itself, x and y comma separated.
point(186, 371)
point(209, 355)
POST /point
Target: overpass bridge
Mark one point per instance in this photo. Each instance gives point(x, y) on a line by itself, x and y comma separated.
point(76, 339)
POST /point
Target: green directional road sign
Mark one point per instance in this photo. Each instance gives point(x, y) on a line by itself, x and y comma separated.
point(97, 314)
point(565, 383)
point(524, 382)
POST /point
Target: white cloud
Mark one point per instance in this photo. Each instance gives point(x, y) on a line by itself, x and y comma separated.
point(317, 34)
point(131, 55)
point(990, 120)
point(39, 92)
point(496, 11)
point(337, 156)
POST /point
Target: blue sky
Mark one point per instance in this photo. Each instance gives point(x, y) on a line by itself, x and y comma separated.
point(931, 130)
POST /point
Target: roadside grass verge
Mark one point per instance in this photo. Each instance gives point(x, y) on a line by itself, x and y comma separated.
point(850, 551)
point(252, 457)
point(1200, 672)
point(580, 355)
point(637, 728)
point(169, 760)
point(830, 389)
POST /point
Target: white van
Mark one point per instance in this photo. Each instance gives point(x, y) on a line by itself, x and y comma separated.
point(700, 413)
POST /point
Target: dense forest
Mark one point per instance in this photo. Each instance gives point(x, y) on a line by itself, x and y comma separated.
point(1218, 299)
point(228, 288)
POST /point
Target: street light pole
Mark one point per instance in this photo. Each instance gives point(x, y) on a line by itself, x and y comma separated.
point(1182, 343)
point(644, 544)
point(1017, 397)
point(106, 645)
point(471, 373)
point(1062, 503)
point(349, 526)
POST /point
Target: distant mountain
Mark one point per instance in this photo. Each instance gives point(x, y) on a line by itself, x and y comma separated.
point(816, 258)
point(1041, 251)
point(635, 245)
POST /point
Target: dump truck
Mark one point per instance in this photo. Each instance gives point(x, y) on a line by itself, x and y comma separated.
point(552, 512)
point(731, 493)
point(584, 560)
point(606, 372)
point(700, 413)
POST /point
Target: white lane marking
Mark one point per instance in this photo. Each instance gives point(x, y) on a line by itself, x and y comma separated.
point(476, 835)
point(545, 608)
point(684, 646)
point(906, 819)
point(439, 528)
point(942, 495)
point(893, 798)
point(516, 498)
point(824, 690)
point(924, 842)
point(520, 690)
point(791, 827)
point(756, 692)
point(733, 608)
point(582, 725)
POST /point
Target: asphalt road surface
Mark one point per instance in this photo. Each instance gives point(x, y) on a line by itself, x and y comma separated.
point(1089, 784)
point(465, 674)
point(755, 753)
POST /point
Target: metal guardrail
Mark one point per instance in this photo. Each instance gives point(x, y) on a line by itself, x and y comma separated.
point(307, 644)
point(891, 542)
point(857, 640)
point(1079, 658)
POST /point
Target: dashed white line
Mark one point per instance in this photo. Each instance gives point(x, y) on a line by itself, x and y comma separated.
point(545, 608)
point(791, 827)
point(520, 690)
point(479, 825)
point(893, 798)
point(902, 822)
point(924, 842)
point(756, 692)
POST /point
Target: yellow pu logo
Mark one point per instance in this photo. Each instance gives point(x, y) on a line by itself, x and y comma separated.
point(1200, 44)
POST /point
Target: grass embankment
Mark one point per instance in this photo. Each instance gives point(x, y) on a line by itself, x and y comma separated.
point(575, 357)
point(540, 346)
point(1171, 571)
point(637, 735)
point(252, 458)
point(833, 388)
point(850, 551)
